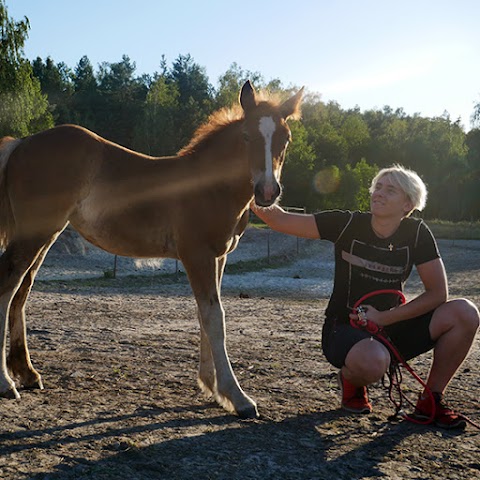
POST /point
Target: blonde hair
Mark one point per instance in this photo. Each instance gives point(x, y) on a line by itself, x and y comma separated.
point(409, 181)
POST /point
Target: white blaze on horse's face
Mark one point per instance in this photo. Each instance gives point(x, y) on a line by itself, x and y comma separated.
point(266, 134)
point(266, 180)
point(267, 127)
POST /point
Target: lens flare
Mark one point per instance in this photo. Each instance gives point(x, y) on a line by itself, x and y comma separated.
point(327, 180)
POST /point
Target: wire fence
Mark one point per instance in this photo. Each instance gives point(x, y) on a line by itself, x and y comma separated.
point(71, 256)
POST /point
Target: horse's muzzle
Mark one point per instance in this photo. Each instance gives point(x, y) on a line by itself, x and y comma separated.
point(266, 194)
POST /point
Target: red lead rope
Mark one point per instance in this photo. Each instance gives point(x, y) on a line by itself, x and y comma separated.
point(379, 333)
point(394, 374)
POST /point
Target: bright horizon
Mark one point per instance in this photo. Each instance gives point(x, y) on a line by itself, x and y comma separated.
point(422, 56)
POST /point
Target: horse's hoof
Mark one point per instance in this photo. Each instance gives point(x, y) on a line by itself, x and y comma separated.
point(36, 385)
point(10, 394)
point(248, 413)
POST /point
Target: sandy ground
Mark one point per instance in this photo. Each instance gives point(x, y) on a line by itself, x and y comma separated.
point(119, 358)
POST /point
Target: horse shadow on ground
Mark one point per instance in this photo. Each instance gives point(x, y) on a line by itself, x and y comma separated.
point(299, 447)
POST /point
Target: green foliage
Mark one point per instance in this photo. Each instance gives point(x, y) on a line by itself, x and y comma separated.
point(23, 108)
point(120, 100)
point(299, 168)
point(330, 185)
point(13, 36)
point(230, 83)
point(363, 174)
point(178, 101)
point(86, 97)
point(155, 134)
point(56, 83)
point(355, 131)
point(330, 162)
point(476, 115)
point(195, 96)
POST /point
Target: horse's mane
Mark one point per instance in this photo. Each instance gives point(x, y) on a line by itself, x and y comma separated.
point(221, 119)
point(216, 122)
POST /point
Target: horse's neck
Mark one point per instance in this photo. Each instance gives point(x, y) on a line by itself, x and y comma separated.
point(222, 162)
point(227, 177)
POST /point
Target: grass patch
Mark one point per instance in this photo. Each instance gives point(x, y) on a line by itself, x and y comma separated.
point(245, 266)
point(455, 230)
point(139, 281)
point(119, 282)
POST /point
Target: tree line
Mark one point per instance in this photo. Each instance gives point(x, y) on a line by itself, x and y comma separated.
point(334, 154)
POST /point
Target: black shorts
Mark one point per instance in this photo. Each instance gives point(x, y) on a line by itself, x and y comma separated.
point(410, 337)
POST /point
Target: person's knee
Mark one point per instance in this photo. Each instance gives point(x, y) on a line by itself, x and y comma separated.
point(467, 314)
point(457, 315)
point(367, 365)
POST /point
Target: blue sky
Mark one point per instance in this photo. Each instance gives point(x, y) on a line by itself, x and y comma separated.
point(423, 56)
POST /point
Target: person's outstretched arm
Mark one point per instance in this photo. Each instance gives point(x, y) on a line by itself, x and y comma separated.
point(298, 224)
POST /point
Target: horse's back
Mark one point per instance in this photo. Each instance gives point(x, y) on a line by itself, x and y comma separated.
point(48, 173)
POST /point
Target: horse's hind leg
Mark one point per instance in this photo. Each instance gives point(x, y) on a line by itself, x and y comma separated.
point(18, 360)
point(15, 262)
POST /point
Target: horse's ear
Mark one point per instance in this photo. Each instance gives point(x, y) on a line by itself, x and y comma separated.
point(247, 96)
point(291, 107)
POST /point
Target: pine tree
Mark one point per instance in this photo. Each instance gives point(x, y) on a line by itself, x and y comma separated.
point(23, 108)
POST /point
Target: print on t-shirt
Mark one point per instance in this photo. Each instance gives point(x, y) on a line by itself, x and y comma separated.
point(375, 268)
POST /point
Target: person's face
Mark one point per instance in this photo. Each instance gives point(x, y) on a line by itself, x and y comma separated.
point(388, 199)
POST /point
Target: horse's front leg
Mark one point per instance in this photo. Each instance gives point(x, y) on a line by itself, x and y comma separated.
point(207, 379)
point(204, 275)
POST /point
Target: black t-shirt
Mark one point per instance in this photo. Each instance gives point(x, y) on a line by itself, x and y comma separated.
point(365, 263)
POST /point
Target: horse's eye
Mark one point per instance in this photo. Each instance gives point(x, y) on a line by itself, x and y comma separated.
point(246, 137)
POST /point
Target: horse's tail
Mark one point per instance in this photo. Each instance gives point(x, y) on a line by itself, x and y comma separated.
point(7, 220)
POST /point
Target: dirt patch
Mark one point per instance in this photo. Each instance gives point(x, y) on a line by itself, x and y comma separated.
point(121, 402)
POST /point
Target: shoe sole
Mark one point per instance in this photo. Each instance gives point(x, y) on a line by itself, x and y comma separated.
point(460, 425)
point(363, 411)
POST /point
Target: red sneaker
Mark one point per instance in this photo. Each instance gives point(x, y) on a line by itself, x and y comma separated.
point(354, 399)
point(444, 416)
